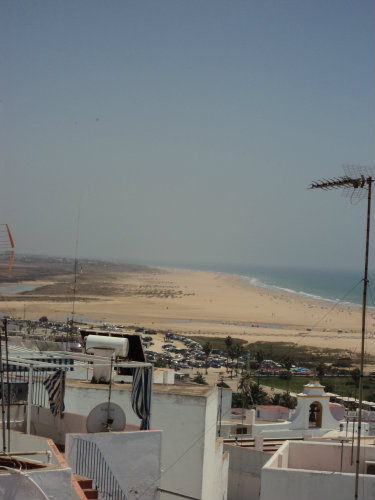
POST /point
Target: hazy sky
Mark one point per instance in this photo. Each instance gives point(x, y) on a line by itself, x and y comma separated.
point(185, 130)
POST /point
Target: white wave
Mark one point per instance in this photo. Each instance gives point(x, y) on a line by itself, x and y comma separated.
point(252, 281)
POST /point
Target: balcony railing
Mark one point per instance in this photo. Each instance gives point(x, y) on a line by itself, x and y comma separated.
point(91, 463)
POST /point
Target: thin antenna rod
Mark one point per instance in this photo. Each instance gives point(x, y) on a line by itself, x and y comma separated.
point(365, 283)
point(2, 396)
point(358, 185)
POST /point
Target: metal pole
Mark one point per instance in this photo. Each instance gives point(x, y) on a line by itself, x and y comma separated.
point(8, 384)
point(108, 424)
point(151, 395)
point(29, 400)
point(342, 453)
point(2, 397)
point(365, 283)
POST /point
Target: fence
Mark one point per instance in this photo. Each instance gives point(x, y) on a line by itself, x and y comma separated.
point(19, 375)
point(91, 463)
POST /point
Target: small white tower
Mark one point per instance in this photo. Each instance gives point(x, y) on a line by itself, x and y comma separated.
point(313, 409)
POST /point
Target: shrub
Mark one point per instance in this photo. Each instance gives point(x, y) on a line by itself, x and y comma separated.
point(199, 379)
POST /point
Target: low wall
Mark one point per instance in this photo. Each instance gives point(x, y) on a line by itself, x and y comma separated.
point(304, 485)
point(244, 472)
point(134, 457)
point(43, 423)
point(27, 442)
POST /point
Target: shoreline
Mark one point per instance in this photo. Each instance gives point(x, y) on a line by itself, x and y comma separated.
point(195, 303)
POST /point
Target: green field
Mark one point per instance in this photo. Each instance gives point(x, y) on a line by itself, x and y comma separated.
point(344, 386)
point(302, 355)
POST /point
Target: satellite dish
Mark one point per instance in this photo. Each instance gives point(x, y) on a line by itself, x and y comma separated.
point(106, 417)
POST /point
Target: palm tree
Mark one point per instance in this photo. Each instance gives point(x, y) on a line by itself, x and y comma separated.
point(259, 356)
point(288, 363)
point(238, 350)
point(251, 392)
point(207, 348)
point(228, 344)
point(356, 376)
point(232, 355)
point(320, 370)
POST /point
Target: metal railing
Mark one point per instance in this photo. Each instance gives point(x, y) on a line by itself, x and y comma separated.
point(91, 463)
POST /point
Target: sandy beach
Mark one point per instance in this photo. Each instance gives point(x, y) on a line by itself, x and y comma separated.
point(190, 302)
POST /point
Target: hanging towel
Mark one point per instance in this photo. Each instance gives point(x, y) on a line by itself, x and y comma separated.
point(141, 395)
point(55, 386)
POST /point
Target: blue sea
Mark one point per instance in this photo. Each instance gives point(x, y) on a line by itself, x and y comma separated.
point(343, 286)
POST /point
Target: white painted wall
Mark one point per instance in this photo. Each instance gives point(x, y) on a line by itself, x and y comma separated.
point(310, 471)
point(245, 467)
point(215, 465)
point(290, 484)
point(189, 434)
point(272, 413)
point(224, 399)
point(134, 457)
point(25, 442)
point(338, 411)
point(43, 423)
point(164, 376)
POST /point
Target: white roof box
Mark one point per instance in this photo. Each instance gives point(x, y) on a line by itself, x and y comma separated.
point(119, 345)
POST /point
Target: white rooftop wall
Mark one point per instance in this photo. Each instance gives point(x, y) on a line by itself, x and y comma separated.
point(134, 457)
point(245, 466)
point(189, 435)
point(311, 471)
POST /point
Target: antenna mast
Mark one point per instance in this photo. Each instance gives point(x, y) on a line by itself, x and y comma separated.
point(7, 243)
point(355, 182)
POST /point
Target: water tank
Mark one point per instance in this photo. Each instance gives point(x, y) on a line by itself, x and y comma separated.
point(119, 345)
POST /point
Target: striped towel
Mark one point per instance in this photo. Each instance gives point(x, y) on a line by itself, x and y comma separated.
point(141, 395)
point(55, 386)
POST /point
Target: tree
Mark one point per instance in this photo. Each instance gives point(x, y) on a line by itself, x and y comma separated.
point(232, 355)
point(238, 350)
point(160, 363)
point(356, 376)
point(223, 385)
point(288, 400)
point(207, 348)
point(228, 344)
point(259, 356)
point(199, 379)
point(251, 393)
point(288, 363)
point(321, 370)
point(43, 319)
point(276, 399)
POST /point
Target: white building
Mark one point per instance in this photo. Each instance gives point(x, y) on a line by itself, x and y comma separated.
point(35, 469)
point(307, 470)
point(245, 467)
point(193, 461)
point(272, 412)
point(313, 412)
point(312, 417)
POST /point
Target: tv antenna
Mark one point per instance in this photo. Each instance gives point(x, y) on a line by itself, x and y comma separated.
point(7, 243)
point(356, 183)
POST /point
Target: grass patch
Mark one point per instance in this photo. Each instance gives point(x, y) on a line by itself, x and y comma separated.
point(302, 355)
point(344, 386)
point(218, 342)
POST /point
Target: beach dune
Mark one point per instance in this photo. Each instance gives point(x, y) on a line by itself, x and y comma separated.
point(193, 302)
